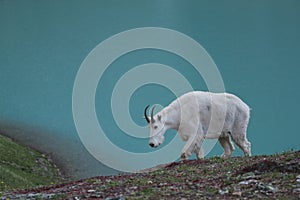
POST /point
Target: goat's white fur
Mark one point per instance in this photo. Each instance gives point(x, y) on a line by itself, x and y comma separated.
point(204, 115)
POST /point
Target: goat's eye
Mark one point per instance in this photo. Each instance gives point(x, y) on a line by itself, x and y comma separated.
point(155, 127)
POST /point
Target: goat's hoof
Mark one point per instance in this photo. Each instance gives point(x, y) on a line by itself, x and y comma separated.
point(183, 157)
point(225, 156)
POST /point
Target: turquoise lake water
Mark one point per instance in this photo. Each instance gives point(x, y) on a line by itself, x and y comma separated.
point(255, 45)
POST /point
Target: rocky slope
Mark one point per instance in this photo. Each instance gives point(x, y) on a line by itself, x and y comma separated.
point(272, 177)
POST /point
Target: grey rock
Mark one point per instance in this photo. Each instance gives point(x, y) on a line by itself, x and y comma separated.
point(223, 192)
point(297, 190)
point(115, 198)
point(247, 182)
point(249, 175)
point(266, 187)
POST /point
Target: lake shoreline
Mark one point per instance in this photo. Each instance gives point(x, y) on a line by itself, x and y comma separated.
point(69, 155)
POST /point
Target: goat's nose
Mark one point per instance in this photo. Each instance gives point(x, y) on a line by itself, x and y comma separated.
point(151, 145)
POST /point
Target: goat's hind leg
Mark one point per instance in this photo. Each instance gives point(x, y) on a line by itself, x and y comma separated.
point(227, 146)
point(241, 141)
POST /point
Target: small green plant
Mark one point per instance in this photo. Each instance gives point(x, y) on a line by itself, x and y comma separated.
point(148, 191)
point(59, 196)
point(287, 152)
point(112, 184)
point(211, 190)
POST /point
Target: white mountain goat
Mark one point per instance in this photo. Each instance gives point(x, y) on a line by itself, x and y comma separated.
point(203, 115)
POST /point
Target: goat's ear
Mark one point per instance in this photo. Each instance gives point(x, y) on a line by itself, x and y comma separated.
point(159, 117)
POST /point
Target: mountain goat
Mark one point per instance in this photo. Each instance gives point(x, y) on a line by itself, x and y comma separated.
point(201, 115)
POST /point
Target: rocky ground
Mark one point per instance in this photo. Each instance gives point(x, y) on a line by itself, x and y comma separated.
point(257, 177)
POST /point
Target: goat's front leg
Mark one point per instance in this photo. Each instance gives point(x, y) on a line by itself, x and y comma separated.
point(186, 152)
point(199, 150)
point(189, 147)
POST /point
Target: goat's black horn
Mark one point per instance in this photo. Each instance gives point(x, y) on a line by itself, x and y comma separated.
point(145, 114)
point(152, 119)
